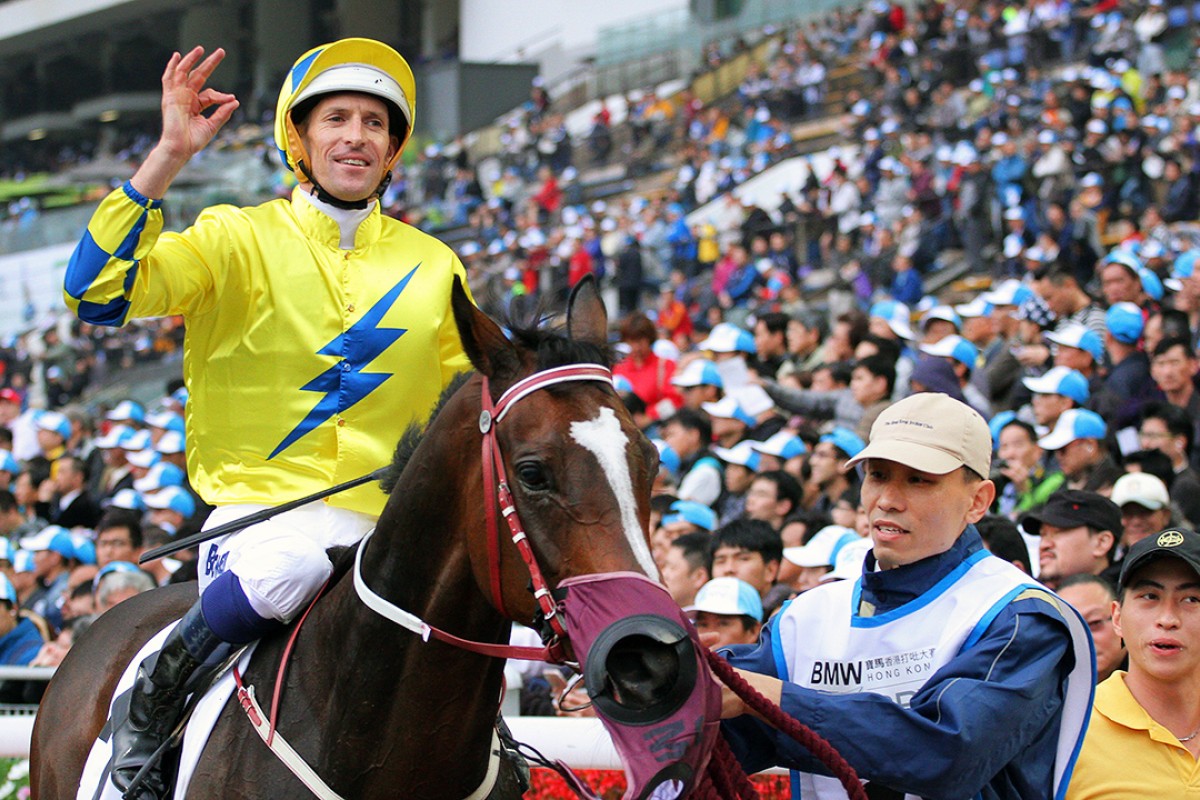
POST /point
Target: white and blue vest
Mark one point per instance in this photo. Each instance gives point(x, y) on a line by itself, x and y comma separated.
point(894, 653)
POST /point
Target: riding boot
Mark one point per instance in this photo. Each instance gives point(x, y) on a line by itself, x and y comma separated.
point(188, 658)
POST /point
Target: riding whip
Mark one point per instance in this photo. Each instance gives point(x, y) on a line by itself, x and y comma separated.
point(253, 519)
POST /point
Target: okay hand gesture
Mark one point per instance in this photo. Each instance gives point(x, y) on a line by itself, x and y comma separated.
point(186, 128)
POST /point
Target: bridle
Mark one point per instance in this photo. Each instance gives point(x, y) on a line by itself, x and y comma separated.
point(497, 493)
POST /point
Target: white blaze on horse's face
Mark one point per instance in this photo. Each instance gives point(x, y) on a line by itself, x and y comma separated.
point(604, 439)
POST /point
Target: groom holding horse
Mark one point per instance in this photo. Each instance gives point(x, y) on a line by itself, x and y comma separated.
point(317, 330)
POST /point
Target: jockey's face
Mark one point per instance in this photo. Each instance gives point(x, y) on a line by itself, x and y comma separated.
point(347, 139)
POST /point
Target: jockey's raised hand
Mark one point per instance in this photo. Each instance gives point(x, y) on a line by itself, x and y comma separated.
point(186, 128)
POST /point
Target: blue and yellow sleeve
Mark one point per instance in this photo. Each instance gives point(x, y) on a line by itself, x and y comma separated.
point(104, 266)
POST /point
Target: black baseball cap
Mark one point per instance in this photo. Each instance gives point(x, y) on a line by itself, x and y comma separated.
point(1177, 542)
point(1073, 507)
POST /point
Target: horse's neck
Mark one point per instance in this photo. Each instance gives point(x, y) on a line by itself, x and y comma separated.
point(397, 695)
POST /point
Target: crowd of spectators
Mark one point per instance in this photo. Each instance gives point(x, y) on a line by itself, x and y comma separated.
point(1050, 147)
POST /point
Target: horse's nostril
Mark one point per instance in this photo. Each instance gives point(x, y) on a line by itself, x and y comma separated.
point(643, 671)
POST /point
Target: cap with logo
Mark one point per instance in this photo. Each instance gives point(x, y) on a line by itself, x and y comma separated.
point(1060, 380)
point(1141, 488)
point(1071, 508)
point(931, 433)
point(1172, 543)
point(1073, 424)
point(728, 596)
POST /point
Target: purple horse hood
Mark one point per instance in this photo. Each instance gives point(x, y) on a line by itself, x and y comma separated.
point(644, 668)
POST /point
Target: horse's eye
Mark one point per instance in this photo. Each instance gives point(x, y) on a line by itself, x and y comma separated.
point(533, 476)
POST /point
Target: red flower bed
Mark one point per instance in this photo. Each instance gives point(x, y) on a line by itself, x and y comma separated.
point(610, 785)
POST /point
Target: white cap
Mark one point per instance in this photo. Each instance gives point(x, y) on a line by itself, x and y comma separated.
point(822, 549)
point(1141, 488)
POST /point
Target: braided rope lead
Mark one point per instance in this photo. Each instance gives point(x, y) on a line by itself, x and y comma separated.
point(775, 716)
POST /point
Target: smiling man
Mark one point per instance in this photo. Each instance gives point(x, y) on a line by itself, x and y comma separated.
point(942, 671)
point(317, 330)
point(1144, 735)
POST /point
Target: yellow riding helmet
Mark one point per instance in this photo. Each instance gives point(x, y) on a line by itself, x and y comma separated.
point(348, 65)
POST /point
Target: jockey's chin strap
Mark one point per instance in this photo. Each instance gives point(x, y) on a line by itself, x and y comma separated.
point(497, 494)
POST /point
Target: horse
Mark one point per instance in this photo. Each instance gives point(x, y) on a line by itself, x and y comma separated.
point(376, 711)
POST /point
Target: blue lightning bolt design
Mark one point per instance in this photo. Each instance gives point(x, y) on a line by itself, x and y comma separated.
point(344, 384)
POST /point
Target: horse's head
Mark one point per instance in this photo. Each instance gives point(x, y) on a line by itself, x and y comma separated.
point(580, 472)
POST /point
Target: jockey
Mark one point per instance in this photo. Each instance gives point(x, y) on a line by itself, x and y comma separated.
point(318, 329)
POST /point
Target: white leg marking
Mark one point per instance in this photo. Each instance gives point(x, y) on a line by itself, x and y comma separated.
point(604, 439)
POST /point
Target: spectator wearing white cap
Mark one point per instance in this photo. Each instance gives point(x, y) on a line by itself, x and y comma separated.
point(963, 358)
point(1145, 506)
point(741, 464)
point(745, 413)
point(1078, 444)
point(730, 609)
point(170, 507)
point(1080, 348)
point(816, 558)
point(699, 383)
point(785, 450)
point(1128, 387)
point(116, 474)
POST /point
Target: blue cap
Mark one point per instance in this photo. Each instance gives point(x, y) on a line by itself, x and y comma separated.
point(53, 537)
point(1152, 285)
point(729, 408)
point(998, 423)
point(164, 473)
point(1124, 322)
point(1185, 264)
point(845, 440)
point(622, 384)
point(783, 445)
point(85, 549)
point(1073, 334)
point(9, 463)
point(701, 372)
point(110, 568)
point(167, 420)
point(729, 596)
point(743, 454)
point(54, 422)
point(1076, 423)
point(697, 514)
point(955, 347)
point(173, 498)
point(180, 396)
point(1060, 380)
point(127, 411)
point(130, 499)
point(667, 457)
point(897, 316)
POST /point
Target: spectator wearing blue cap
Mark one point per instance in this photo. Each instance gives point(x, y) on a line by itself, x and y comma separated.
point(20, 638)
point(742, 462)
point(699, 382)
point(53, 558)
point(1121, 280)
point(170, 507)
point(827, 480)
point(9, 470)
point(730, 608)
point(115, 474)
point(1057, 391)
point(1128, 387)
point(963, 358)
point(1078, 442)
point(53, 433)
point(1080, 348)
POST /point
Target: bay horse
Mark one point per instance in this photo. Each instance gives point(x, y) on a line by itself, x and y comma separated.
point(376, 711)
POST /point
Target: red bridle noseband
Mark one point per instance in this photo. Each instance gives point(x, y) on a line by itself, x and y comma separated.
point(497, 493)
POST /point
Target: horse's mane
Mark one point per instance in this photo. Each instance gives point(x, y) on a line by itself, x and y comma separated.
point(552, 348)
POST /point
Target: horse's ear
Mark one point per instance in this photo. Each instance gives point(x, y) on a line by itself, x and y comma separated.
point(587, 319)
point(484, 343)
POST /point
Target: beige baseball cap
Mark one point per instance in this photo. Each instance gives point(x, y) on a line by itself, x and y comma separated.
point(932, 433)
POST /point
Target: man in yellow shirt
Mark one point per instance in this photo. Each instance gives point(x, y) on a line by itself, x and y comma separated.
point(1144, 736)
point(317, 330)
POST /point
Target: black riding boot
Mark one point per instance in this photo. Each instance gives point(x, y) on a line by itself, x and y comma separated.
point(189, 656)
